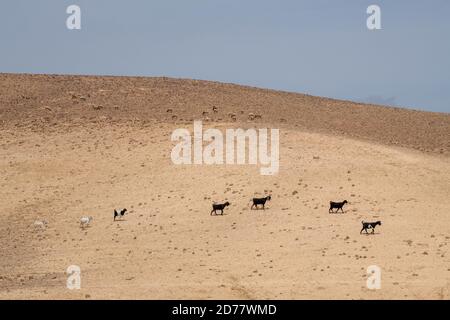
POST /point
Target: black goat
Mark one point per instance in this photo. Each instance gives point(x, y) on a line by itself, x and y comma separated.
point(262, 201)
point(219, 206)
point(369, 225)
point(338, 205)
point(120, 214)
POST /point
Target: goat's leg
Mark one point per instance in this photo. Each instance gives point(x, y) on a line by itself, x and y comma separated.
point(211, 212)
point(222, 212)
point(342, 210)
point(361, 230)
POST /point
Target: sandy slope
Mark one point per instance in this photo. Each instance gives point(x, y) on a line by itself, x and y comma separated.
point(61, 158)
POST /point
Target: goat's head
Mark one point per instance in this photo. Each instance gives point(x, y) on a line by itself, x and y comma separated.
point(269, 197)
point(124, 211)
point(345, 201)
point(378, 222)
point(227, 203)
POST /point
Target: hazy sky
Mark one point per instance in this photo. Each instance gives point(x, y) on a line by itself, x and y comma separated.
point(318, 47)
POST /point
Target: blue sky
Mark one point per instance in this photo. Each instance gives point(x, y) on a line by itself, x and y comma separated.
point(318, 47)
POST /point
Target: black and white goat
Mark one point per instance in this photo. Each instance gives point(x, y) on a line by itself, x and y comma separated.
point(119, 214)
point(369, 225)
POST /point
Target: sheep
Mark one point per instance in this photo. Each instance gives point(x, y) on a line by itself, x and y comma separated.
point(257, 201)
point(369, 225)
point(218, 206)
point(337, 205)
point(120, 214)
point(85, 221)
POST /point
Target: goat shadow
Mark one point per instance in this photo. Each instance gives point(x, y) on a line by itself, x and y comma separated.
point(219, 214)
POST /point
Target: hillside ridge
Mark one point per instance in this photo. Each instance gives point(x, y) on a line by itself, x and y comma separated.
point(42, 101)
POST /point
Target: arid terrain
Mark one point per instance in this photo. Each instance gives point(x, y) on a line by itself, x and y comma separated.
point(74, 146)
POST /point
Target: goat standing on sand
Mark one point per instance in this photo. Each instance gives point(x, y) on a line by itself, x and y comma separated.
point(120, 214)
point(42, 224)
point(369, 225)
point(338, 205)
point(257, 201)
point(218, 206)
point(85, 221)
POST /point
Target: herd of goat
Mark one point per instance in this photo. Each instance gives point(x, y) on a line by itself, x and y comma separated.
point(256, 203)
point(333, 205)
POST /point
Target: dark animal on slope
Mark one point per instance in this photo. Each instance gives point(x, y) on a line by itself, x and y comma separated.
point(119, 214)
point(369, 225)
point(337, 205)
point(258, 201)
point(219, 206)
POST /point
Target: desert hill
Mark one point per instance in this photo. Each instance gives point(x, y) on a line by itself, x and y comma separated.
point(39, 100)
point(75, 146)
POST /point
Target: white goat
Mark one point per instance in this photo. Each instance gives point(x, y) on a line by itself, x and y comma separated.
point(40, 224)
point(85, 221)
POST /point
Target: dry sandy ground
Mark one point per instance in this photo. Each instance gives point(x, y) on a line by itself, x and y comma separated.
point(60, 166)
